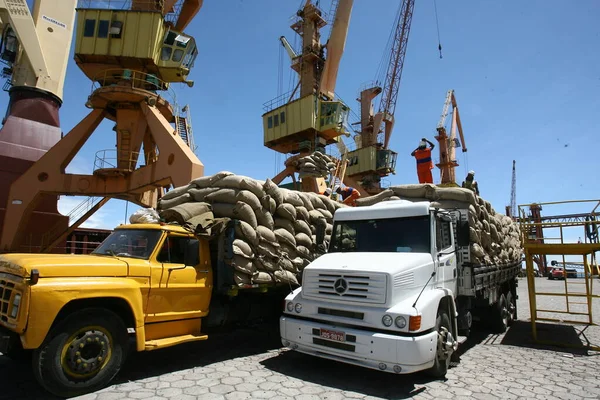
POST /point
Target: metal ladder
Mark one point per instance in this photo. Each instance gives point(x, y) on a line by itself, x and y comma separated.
point(80, 214)
point(184, 127)
point(340, 171)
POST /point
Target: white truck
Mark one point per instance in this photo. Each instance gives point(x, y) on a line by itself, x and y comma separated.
point(396, 289)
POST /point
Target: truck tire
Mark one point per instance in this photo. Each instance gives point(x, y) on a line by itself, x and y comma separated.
point(511, 305)
point(500, 315)
point(82, 354)
point(441, 361)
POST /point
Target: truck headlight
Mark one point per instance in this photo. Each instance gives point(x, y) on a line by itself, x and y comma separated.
point(15, 305)
point(400, 322)
point(298, 307)
point(387, 320)
point(290, 306)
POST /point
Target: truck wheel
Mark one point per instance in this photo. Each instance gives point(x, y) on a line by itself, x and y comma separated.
point(511, 306)
point(500, 315)
point(444, 341)
point(82, 354)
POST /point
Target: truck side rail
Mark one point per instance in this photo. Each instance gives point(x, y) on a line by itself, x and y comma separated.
point(480, 277)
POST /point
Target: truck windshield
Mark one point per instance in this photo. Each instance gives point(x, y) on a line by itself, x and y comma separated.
point(135, 243)
point(410, 235)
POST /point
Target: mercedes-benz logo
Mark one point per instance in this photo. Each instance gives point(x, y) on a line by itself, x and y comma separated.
point(340, 286)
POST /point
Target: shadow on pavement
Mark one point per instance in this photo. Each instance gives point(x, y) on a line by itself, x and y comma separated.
point(573, 340)
point(346, 377)
point(242, 342)
point(369, 382)
point(17, 381)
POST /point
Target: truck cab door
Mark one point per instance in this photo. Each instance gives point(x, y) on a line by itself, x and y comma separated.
point(447, 274)
point(184, 291)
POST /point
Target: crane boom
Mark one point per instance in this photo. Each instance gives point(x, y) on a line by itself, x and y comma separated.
point(45, 39)
point(391, 86)
point(513, 192)
point(288, 47)
point(335, 47)
point(447, 145)
point(22, 23)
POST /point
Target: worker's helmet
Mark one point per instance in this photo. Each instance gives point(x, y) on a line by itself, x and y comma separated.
point(328, 192)
point(472, 173)
point(422, 144)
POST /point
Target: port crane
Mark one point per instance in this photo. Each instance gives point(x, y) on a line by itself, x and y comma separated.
point(310, 117)
point(132, 51)
point(511, 210)
point(373, 159)
point(448, 144)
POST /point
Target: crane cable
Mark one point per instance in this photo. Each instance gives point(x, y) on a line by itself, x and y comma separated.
point(438, 28)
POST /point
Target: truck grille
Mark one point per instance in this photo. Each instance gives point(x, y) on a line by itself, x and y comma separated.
point(6, 289)
point(358, 288)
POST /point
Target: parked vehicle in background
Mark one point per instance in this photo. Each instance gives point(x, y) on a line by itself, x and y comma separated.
point(559, 273)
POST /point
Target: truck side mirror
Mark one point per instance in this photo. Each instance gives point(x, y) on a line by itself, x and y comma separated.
point(463, 239)
point(320, 233)
point(191, 256)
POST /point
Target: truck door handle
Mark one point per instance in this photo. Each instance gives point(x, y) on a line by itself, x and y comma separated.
point(202, 270)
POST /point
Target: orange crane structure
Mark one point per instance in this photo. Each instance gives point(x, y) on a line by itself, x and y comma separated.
point(373, 159)
point(448, 144)
point(310, 117)
point(132, 51)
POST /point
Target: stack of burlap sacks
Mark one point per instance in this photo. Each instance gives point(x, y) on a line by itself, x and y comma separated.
point(316, 165)
point(275, 238)
point(495, 238)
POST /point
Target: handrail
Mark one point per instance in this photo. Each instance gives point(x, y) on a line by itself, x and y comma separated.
point(130, 78)
point(281, 100)
point(102, 161)
point(170, 15)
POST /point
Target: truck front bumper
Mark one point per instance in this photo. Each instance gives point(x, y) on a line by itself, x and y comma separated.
point(381, 351)
point(8, 340)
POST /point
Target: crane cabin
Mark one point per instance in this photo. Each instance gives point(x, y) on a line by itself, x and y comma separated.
point(142, 38)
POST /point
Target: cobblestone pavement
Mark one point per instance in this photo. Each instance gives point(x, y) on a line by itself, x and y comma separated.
point(250, 364)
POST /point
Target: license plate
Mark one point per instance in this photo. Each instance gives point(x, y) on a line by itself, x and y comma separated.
point(336, 336)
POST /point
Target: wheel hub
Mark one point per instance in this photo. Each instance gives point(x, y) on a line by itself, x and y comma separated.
point(446, 344)
point(87, 352)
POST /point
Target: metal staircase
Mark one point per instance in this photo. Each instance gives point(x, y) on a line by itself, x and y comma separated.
point(79, 214)
point(183, 124)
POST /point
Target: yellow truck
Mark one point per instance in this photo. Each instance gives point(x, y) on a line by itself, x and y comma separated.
point(146, 287)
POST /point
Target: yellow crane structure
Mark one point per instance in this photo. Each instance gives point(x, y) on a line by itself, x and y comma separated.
point(372, 159)
point(310, 117)
point(448, 144)
point(132, 51)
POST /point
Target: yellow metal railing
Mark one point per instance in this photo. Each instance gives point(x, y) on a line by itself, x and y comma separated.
point(569, 235)
point(169, 9)
point(137, 80)
point(110, 159)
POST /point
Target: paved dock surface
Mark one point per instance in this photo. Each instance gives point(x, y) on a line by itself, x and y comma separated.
point(250, 364)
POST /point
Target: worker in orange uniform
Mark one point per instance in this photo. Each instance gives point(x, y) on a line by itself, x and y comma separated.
point(349, 195)
point(424, 162)
point(327, 192)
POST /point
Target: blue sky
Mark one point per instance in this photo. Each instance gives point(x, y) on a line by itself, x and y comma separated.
point(526, 76)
